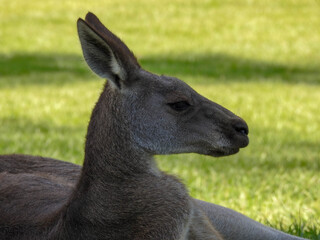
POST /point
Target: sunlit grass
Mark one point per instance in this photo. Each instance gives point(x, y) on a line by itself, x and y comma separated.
point(258, 59)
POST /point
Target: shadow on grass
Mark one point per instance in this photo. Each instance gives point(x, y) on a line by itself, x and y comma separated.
point(45, 69)
point(24, 64)
point(42, 69)
point(225, 68)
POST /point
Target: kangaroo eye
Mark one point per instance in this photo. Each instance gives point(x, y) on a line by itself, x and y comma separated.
point(179, 106)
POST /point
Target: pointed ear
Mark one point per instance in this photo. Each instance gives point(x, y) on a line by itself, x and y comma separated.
point(105, 53)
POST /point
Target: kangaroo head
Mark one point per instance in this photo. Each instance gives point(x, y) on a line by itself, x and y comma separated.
point(162, 114)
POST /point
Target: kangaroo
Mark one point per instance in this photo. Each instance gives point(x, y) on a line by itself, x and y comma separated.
point(120, 193)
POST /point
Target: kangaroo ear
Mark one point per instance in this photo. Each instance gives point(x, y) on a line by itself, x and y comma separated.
point(105, 53)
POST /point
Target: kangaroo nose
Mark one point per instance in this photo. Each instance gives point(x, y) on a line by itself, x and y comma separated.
point(241, 127)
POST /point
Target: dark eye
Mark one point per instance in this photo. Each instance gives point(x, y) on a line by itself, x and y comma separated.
point(179, 106)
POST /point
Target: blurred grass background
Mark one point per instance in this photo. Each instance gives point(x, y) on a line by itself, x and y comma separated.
point(260, 59)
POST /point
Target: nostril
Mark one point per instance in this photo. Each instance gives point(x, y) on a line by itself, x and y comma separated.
point(242, 128)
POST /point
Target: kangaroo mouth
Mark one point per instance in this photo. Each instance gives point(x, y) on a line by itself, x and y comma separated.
point(223, 152)
point(228, 150)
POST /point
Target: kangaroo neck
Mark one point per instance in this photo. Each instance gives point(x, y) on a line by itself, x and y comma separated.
point(111, 163)
point(109, 151)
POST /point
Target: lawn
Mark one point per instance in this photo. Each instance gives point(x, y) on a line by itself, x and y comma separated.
point(260, 59)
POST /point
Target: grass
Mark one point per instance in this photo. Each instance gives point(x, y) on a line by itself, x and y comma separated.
point(260, 59)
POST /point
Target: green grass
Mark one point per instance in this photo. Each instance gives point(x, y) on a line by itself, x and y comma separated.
point(260, 59)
